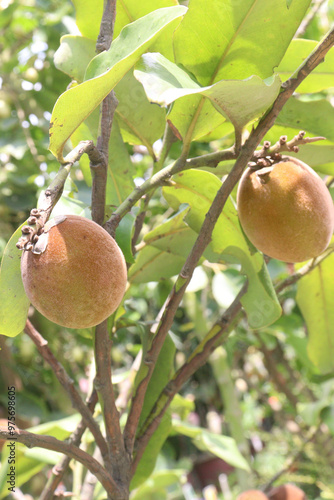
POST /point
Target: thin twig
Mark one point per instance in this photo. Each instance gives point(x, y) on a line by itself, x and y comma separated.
point(308, 267)
point(68, 384)
point(39, 216)
point(317, 4)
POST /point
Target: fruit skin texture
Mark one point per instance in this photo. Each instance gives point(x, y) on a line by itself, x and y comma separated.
point(286, 210)
point(252, 495)
point(80, 279)
point(287, 492)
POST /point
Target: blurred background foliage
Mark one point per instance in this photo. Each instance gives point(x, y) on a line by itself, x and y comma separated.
point(260, 388)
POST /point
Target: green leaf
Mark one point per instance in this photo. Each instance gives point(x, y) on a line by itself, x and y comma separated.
point(167, 248)
point(124, 236)
point(174, 235)
point(308, 116)
point(120, 169)
point(239, 100)
point(88, 17)
point(153, 264)
point(155, 487)
point(319, 79)
point(223, 447)
point(162, 373)
point(74, 55)
point(104, 72)
point(130, 10)
point(315, 298)
point(198, 189)
point(14, 303)
point(229, 45)
point(140, 122)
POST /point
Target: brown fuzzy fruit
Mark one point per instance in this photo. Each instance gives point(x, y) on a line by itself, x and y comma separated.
point(287, 492)
point(286, 210)
point(252, 495)
point(80, 278)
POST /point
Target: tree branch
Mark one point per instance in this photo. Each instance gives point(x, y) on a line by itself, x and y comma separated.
point(104, 387)
point(50, 443)
point(68, 384)
point(102, 344)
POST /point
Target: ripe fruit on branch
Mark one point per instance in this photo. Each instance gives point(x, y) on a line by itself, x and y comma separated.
point(287, 492)
point(79, 278)
point(252, 495)
point(286, 210)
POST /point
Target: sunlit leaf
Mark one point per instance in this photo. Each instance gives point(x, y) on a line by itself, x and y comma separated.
point(88, 17)
point(140, 122)
point(239, 100)
point(104, 72)
point(74, 55)
point(229, 45)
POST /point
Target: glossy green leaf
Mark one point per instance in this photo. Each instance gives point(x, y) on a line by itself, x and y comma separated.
point(315, 297)
point(162, 373)
point(198, 189)
point(104, 72)
point(74, 55)
point(239, 100)
point(319, 79)
point(229, 45)
point(88, 17)
point(223, 447)
point(140, 122)
point(14, 303)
